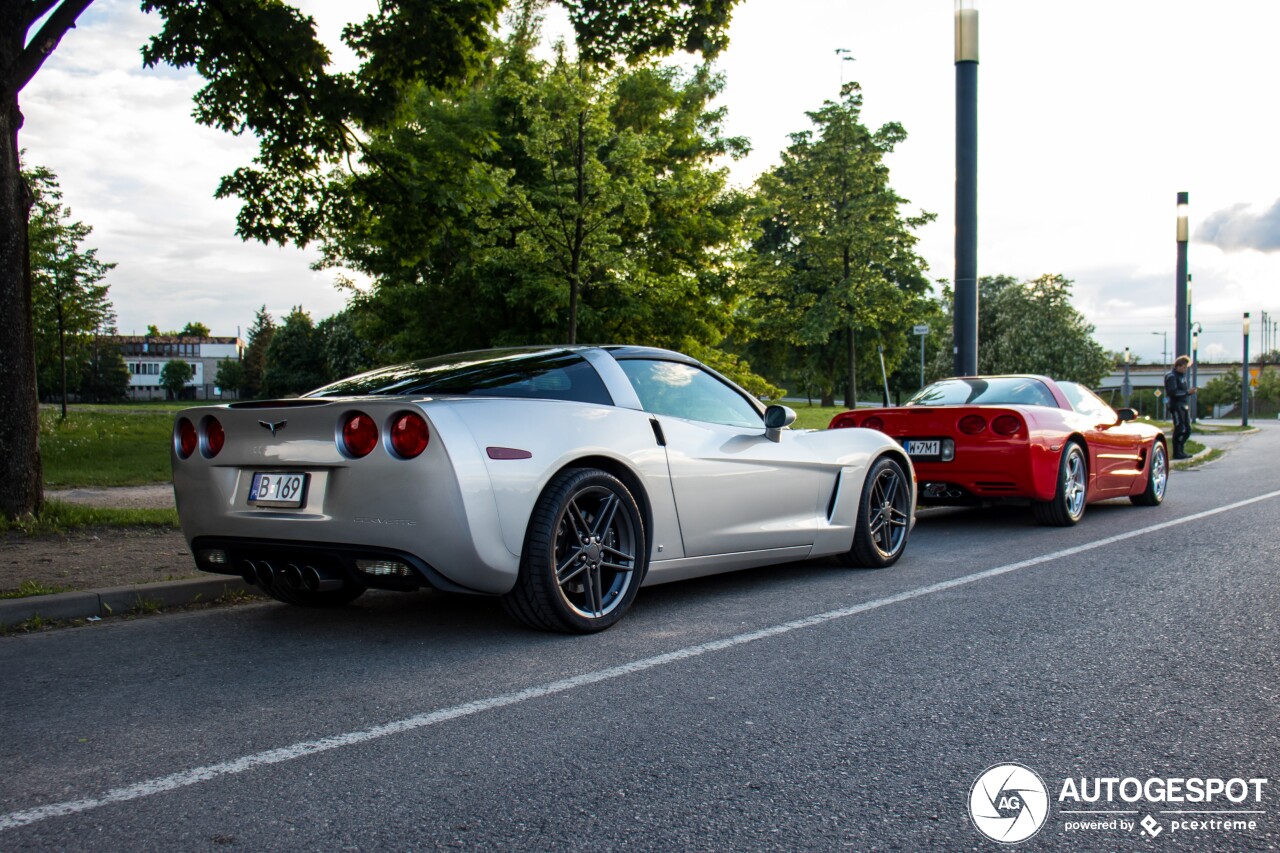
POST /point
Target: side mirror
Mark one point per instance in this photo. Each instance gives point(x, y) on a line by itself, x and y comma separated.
point(1125, 415)
point(776, 419)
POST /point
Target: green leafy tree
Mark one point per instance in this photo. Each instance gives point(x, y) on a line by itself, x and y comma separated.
point(193, 330)
point(295, 358)
point(268, 74)
point(549, 201)
point(1032, 327)
point(231, 376)
point(106, 377)
point(835, 257)
point(344, 352)
point(174, 377)
point(70, 300)
point(255, 354)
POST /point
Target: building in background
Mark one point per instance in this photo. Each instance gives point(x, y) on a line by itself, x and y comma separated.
point(147, 356)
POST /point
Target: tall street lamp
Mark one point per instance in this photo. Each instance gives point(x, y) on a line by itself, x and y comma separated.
point(966, 280)
point(1180, 281)
point(1127, 387)
point(1195, 371)
point(1244, 376)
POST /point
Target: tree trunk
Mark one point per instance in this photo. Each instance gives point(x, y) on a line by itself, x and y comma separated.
point(828, 397)
point(21, 489)
point(851, 390)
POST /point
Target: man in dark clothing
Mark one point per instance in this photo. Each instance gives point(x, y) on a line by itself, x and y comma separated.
point(1177, 391)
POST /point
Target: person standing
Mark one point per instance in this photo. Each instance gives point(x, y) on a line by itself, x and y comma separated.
point(1177, 389)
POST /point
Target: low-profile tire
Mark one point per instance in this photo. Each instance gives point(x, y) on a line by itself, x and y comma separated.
point(1067, 506)
point(584, 555)
point(883, 523)
point(1157, 477)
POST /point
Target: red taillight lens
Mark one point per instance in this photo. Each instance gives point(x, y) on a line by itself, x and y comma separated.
point(359, 434)
point(873, 423)
point(1006, 425)
point(214, 437)
point(409, 435)
point(972, 424)
point(187, 438)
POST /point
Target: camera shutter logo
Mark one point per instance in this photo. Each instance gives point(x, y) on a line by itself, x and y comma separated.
point(1008, 803)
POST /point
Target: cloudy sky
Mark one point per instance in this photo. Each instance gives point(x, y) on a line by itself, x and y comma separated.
point(1093, 115)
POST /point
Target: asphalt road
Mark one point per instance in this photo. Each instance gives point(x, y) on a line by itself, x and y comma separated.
point(804, 707)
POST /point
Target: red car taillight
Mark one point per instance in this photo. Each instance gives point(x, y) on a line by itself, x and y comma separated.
point(1006, 425)
point(214, 437)
point(972, 424)
point(409, 435)
point(873, 423)
point(359, 435)
point(186, 438)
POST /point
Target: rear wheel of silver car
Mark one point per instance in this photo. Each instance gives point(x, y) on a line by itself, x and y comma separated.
point(584, 555)
point(1067, 506)
point(1157, 478)
point(884, 517)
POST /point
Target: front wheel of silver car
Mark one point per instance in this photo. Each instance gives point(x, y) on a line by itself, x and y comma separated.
point(884, 517)
point(584, 555)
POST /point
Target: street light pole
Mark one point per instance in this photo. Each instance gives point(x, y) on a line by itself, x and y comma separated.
point(966, 280)
point(1244, 376)
point(1195, 371)
point(1180, 281)
point(1127, 387)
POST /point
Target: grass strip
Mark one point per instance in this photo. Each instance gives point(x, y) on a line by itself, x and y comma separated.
point(60, 517)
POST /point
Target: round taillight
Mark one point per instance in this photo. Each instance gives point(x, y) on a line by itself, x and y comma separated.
point(1006, 425)
point(187, 438)
point(873, 423)
point(409, 435)
point(972, 424)
point(214, 437)
point(359, 434)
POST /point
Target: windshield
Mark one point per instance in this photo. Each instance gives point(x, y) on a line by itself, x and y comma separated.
point(985, 391)
point(538, 374)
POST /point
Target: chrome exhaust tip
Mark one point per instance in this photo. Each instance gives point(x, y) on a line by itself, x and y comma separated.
point(292, 577)
point(316, 582)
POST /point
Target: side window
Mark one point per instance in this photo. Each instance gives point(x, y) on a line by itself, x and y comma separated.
point(1085, 401)
point(686, 391)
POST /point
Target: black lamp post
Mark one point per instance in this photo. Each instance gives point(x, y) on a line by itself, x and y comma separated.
point(1127, 387)
point(1180, 281)
point(966, 282)
point(1244, 376)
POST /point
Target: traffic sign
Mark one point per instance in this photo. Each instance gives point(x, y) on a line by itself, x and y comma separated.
point(922, 329)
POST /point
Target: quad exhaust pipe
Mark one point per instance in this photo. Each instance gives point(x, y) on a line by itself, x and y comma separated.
point(292, 576)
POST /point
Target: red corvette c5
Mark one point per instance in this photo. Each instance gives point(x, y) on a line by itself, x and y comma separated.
point(987, 438)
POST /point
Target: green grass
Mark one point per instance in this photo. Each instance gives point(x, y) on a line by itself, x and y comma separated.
point(26, 589)
point(106, 445)
point(59, 517)
point(814, 417)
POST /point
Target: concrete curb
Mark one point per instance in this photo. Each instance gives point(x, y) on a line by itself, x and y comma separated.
point(121, 599)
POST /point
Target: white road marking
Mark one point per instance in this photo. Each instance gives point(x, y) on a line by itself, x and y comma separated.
point(431, 718)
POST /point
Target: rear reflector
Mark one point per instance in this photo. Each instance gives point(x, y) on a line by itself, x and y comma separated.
point(359, 435)
point(409, 435)
point(1006, 425)
point(185, 438)
point(214, 437)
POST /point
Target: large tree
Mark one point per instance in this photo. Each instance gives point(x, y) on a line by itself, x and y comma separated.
point(835, 258)
point(70, 306)
point(267, 73)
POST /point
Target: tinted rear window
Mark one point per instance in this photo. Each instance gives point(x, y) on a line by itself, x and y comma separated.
point(539, 375)
point(991, 391)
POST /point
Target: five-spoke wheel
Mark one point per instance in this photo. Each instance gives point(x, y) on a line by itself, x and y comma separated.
point(1067, 506)
point(884, 516)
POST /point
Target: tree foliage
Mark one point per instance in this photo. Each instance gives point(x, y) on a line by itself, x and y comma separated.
point(835, 254)
point(295, 357)
point(1032, 327)
point(174, 376)
point(70, 302)
point(255, 354)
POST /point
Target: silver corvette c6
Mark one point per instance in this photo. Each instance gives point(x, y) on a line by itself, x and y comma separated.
point(561, 479)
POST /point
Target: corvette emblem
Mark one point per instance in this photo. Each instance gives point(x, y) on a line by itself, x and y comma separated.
point(274, 427)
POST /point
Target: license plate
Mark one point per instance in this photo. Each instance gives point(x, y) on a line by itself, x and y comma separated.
point(271, 488)
point(917, 447)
